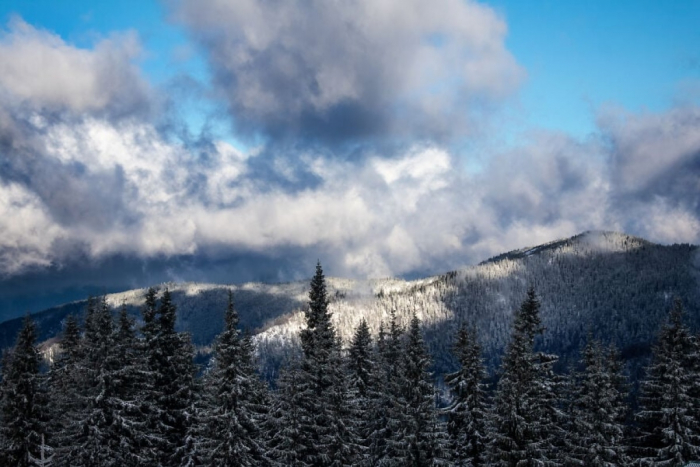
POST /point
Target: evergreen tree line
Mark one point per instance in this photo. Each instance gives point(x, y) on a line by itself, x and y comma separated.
point(120, 396)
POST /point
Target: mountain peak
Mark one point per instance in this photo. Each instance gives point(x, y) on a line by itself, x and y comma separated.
point(590, 241)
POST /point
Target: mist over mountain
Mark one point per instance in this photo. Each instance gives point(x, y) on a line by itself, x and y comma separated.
point(614, 286)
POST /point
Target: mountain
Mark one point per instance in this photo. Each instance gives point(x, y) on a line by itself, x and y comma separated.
point(614, 286)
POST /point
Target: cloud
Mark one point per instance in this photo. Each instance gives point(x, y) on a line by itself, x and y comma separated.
point(650, 151)
point(122, 188)
point(341, 71)
point(27, 232)
point(38, 69)
point(87, 174)
point(655, 171)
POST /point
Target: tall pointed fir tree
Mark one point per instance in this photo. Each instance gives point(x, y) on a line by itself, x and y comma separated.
point(335, 441)
point(23, 403)
point(467, 412)
point(65, 380)
point(107, 426)
point(669, 432)
point(597, 413)
point(170, 364)
point(423, 437)
point(386, 429)
point(233, 401)
point(525, 406)
point(127, 364)
point(362, 383)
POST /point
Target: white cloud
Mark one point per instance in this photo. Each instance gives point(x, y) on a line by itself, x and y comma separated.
point(27, 232)
point(39, 68)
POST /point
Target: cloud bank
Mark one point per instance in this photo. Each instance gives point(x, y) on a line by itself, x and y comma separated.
point(87, 170)
point(338, 71)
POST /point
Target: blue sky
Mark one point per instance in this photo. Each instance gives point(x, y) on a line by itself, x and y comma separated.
point(582, 55)
point(237, 140)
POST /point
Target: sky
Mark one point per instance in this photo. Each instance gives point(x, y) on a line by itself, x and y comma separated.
point(237, 140)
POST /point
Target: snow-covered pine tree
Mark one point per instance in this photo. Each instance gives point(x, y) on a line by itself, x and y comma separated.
point(170, 363)
point(23, 401)
point(423, 437)
point(289, 427)
point(195, 450)
point(107, 426)
point(597, 413)
point(467, 412)
point(127, 363)
point(525, 402)
point(83, 443)
point(232, 416)
point(64, 380)
point(360, 361)
point(362, 383)
point(386, 428)
point(334, 440)
point(668, 429)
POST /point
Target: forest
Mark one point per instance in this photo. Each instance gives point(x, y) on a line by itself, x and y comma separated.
point(118, 394)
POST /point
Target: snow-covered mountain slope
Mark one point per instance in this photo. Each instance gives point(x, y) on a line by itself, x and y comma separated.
point(613, 285)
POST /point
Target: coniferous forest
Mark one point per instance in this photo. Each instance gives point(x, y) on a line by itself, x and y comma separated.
point(118, 394)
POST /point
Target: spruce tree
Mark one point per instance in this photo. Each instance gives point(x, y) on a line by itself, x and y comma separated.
point(363, 384)
point(23, 410)
point(289, 427)
point(334, 440)
point(127, 365)
point(360, 361)
point(170, 363)
point(596, 437)
point(422, 437)
point(525, 405)
point(467, 412)
point(233, 391)
point(669, 432)
point(64, 381)
point(386, 429)
point(107, 426)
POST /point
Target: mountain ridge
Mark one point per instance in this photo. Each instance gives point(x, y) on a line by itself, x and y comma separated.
point(614, 285)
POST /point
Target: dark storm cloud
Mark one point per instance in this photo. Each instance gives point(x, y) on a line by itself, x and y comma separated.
point(336, 72)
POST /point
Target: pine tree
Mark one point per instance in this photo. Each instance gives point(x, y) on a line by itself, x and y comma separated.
point(107, 426)
point(335, 442)
point(669, 431)
point(362, 385)
point(598, 411)
point(360, 361)
point(289, 427)
point(467, 412)
point(64, 381)
point(423, 438)
point(386, 429)
point(170, 364)
point(23, 410)
point(525, 404)
point(233, 391)
point(127, 365)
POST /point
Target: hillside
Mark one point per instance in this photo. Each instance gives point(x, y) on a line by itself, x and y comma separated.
point(615, 286)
